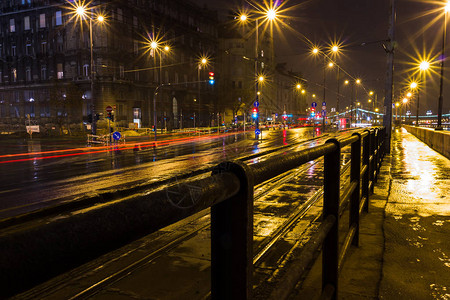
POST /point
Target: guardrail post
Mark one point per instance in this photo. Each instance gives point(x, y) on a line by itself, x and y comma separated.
point(232, 238)
point(331, 199)
point(373, 161)
point(355, 176)
point(377, 154)
point(366, 176)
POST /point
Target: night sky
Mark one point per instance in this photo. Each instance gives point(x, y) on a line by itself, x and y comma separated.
point(353, 22)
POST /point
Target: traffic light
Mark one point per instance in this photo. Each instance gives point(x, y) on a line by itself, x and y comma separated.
point(211, 78)
point(110, 116)
point(255, 113)
point(313, 112)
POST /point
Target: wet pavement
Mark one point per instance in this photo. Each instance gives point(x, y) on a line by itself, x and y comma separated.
point(417, 225)
point(31, 177)
point(404, 250)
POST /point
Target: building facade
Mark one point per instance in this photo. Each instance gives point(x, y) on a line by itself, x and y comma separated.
point(45, 62)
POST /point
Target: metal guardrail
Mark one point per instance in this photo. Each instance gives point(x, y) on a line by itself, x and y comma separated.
point(56, 244)
point(104, 139)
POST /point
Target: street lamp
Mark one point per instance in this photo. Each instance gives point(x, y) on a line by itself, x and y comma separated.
point(405, 100)
point(270, 15)
point(81, 12)
point(203, 61)
point(156, 48)
point(441, 84)
point(413, 86)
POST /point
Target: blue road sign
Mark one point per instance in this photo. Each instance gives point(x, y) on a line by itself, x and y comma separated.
point(324, 113)
point(116, 135)
point(314, 104)
point(324, 104)
point(257, 131)
point(256, 104)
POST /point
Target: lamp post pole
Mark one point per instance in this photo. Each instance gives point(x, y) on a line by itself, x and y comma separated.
point(198, 93)
point(441, 85)
point(256, 76)
point(94, 117)
point(154, 97)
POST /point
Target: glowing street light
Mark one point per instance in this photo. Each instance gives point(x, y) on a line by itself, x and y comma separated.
point(81, 11)
point(424, 65)
point(335, 48)
point(271, 14)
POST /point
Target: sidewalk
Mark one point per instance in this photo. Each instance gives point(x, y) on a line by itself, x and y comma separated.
point(404, 250)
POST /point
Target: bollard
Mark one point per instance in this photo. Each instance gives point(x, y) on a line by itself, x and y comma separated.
point(331, 199)
point(355, 176)
point(232, 238)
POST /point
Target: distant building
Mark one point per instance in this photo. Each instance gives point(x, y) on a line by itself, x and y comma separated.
point(45, 62)
point(237, 84)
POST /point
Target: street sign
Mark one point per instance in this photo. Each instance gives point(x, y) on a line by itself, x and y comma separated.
point(324, 107)
point(109, 109)
point(314, 104)
point(256, 104)
point(324, 113)
point(324, 104)
point(257, 131)
point(116, 135)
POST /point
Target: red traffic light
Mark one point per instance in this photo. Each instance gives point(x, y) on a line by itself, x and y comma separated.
point(211, 74)
point(255, 109)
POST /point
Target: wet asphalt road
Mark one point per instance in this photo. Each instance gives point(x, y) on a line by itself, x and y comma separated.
point(34, 183)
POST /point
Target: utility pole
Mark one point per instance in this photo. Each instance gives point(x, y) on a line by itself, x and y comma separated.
point(389, 47)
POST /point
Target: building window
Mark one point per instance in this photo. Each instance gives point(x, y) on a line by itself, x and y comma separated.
point(12, 25)
point(14, 74)
point(42, 21)
point(136, 47)
point(121, 71)
point(28, 73)
point(28, 48)
point(86, 70)
point(44, 48)
point(135, 21)
point(43, 73)
point(136, 75)
point(59, 70)
point(13, 50)
point(58, 18)
point(119, 15)
point(240, 84)
point(26, 23)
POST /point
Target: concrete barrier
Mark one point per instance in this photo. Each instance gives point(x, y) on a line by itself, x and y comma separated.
point(438, 140)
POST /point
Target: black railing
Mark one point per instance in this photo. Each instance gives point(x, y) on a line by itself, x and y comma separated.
point(48, 247)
